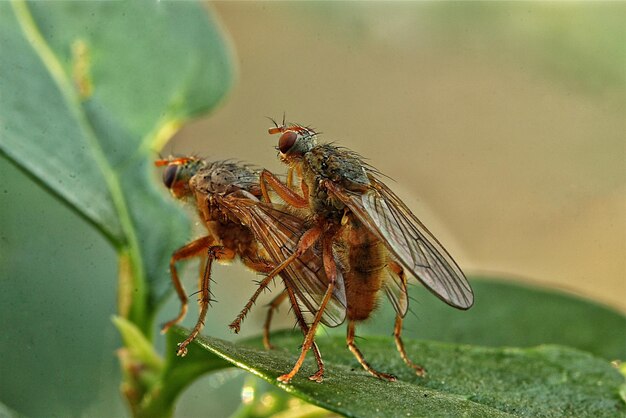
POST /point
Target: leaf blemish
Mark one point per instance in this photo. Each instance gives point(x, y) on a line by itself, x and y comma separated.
point(80, 69)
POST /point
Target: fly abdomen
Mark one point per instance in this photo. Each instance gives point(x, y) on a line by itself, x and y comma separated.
point(236, 238)
point(363, 278)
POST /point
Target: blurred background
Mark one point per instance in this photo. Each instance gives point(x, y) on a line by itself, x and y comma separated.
point(502, 126)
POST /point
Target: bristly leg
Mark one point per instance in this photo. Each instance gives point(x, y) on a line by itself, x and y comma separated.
point(193, 249)
point(359, 356)
point(205, 300)
point(319, 375)
point(331, 273)
point(306, 240)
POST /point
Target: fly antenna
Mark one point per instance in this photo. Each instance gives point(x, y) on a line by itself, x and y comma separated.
point(273, 121)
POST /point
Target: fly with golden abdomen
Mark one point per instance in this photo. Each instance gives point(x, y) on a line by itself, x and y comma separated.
point(369, 239)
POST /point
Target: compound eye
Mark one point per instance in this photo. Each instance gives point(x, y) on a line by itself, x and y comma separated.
point(286, 141)
point(169, 175)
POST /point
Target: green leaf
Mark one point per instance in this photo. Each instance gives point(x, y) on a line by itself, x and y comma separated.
point(264, 400)
point(508, 314)
point(89, 92)
point(177, 374)
point(6, 412)
point(463, 380)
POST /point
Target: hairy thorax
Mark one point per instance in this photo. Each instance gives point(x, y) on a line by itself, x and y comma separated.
point(329, 163)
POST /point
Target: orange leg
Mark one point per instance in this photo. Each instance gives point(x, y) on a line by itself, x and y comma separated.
point(306, 240)
point(266, 267)
point(331, 272)
point(397, 330)
point(193, 249)
point(205, 299)
point(260, 266)
point(357, 353)
point(268, 319)
point(319, 375)
point(296, 171)
point(284, 192)
point(290, 177)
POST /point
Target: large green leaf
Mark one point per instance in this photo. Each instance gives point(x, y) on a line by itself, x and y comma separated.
point(506, 314)
point(6, 412)
point(463, 380)
point(510, 314)
point(89, 91)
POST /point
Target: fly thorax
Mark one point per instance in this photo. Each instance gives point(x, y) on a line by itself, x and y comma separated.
point(223, 181)
point(215, 180)
point(351, 175)
point(339, 166)
point(324, 205)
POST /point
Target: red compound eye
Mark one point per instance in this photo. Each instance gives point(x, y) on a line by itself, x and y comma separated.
point(169, 175)
point(286, 141)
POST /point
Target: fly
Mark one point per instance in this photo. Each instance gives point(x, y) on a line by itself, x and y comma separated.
point(226, 194)
point(370, 240)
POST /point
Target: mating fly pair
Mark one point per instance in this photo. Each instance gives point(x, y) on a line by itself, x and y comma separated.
point(355, 240)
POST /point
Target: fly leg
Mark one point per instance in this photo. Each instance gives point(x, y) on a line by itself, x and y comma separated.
point(319, 375)
point(193, 249)
point(283, 191)
point(397, 330)
point(264, 267)
point(331, 273)
point(291, 173)
point(258, 265)
point(205, 300)
point(290, 197)
point(359, 356)
point(268, 319)
point(306, 240)
point(290, 177)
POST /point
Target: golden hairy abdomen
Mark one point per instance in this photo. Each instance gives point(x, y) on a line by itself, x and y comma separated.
point(364, 275)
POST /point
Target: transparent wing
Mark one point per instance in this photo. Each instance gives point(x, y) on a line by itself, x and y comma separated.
point(396, 292)
point(408, 240)
point(279, 233)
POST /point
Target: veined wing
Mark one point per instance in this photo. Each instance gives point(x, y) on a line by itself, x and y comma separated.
point(279, 233)
point(408, 240)
point(396, 291)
